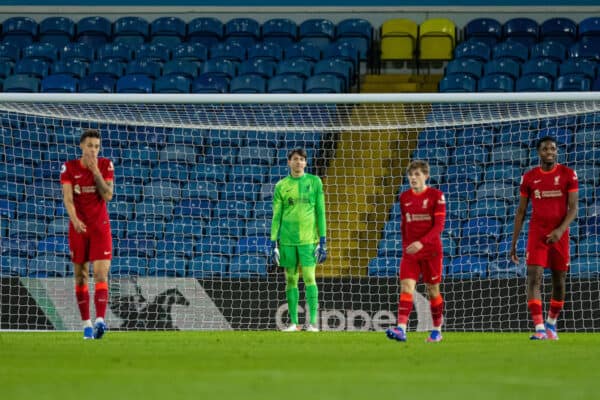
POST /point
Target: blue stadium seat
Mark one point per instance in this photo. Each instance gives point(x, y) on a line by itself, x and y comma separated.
point(324, 84)
point(297, 67)
point(585, 267)
point(208, 265)
point(589, 173)
point(201, 190)
point(358, 32)
point(253, 245)
point(226, 227)
point(187, 69)
point(259, 227)
point(503, 66)
point(193, 208)
point(307, 51)
point(344, 51)
point(248, 266)
point(210, 83)
point(59, 84)
point(131, 30)
point(482, 227)
point(468, 267)
point(390, 246)
point(16, 173)
point(512, 50)
point(171, 170)
point(465, 65)
point(464, 173)
point(250, 173)
point(476, 136)
point(184, 228)
point(384, 267)
point(48, 266)
point(21, 83)
point(578, 67)
point(486, 30)
point(205, 30)
point(285, 84)
point(458, 83)
point(153, 52)
point(281, 31)
point(73, 68)
point(481, 246)
point(169, 31)
point(236, 204)
point(39, 208)
point(94, 31)
point(589, 29)
point(256, 155)
point(145, 229)
point(7, 208)
point(18, 246)
point(215, 245)
point(473, 49)
point(149, 210)
point(151, 69)
point(229, 51)
point(563, 136)
point(9, 53)
point(12, 266)
point(509, 154)
point(589, 246)
point(587, 50)
point(572, 83)
point(318, 31)
point(467, 155)
point(483, 209)
point(336, 67)
point(534, 83)
point(173, 84)
point(109, 68)
point(221, 155)
point(120, 210)
point(505, 269)
point(209, 172)
point(263, 210)
point(498, 191)
point(262, 68)
point(245, 31)
point(134, 84)
point(19, 31)
point(31, 67)
point(126, 266)
point(77, 51)
point(222, 68)
point(193, 52)
point(162, 191)
point(171, 266)
point(507, 174)
point(136, 248)
point(496, 83)
point(59, 226)
point(540, 66)
point(41, 51)
point(116, 52)
point(554, 51)
point(522, 30)
point(248, 84)
point(97, 84)
point(558, 29)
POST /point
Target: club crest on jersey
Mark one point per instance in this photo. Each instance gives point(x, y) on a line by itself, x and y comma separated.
point(77, 189)
point(425, 202)
point(556, 179)
point(537, 194)
point(111, 167)
point(63, 168)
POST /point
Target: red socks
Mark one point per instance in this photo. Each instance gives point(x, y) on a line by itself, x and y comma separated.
point(405, 306)
point(83, 301)
point(437, 310)
point(556, 307)
point(535, 309)
point(101, 299)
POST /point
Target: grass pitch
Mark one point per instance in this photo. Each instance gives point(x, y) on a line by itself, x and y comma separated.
point(274, 365)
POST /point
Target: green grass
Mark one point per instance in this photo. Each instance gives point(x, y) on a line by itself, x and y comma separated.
point(274, 365)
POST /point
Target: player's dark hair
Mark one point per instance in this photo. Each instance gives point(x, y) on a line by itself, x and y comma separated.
point(545, 139)
point(418, 164)
point(297, 150)
point(89, 133)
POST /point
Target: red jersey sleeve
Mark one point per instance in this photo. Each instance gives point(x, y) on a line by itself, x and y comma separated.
point(572, 181)
point(65, 174)
point(439, 219)
point(524, 187)
point(108, 170)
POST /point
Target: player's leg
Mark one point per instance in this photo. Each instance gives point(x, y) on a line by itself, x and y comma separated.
point(535, 274)
point(409, 274)
point(559, 257)
point(101, 269)
point(78, 245)
point(289, 262)
point(308, 262)
point(432, 276)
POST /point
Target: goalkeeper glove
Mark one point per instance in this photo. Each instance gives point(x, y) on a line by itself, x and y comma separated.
point(274, 253)
point(321, 251)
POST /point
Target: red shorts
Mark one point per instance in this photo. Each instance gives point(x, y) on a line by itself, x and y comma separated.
point(547, 255)
point(95, 244)
point(412, 267)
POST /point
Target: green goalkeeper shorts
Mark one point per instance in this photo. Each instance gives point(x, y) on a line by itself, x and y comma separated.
point(302, 255)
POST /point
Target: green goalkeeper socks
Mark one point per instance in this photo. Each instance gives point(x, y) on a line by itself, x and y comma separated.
point(292, 298)
point(312, 298)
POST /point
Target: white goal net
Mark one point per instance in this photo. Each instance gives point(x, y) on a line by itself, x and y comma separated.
point(194, 180)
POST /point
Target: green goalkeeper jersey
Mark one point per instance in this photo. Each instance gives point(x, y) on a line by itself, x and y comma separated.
point(298, 211)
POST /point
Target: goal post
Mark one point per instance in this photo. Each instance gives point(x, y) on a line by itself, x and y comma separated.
point(194, 180)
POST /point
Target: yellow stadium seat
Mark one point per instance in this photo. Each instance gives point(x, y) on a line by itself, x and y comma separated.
point(437, 38)
point(399, 39)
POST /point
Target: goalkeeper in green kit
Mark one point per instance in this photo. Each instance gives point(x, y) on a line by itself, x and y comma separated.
point(298, 233)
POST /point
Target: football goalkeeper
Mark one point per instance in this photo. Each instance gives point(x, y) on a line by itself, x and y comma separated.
point(298, 233)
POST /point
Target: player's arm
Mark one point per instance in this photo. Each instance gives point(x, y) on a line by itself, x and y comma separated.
point(277, 214)
point(70, 207)
point(320, 211)
point(104, 186)
point(573, 206)
point(519, 218)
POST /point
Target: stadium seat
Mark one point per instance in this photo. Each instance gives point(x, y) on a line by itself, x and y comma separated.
point(555, 51)
point(540, 66)
point(21, 83)
point(73, 68)
point(582, 67)
point(399, 39)
point(285, 84)
point(221, 155)
point(19, 31)
point(97, 84)
point(281, 31)
point(464, 173)
point(205, 30)
point(384, 267)
point(18, 246)
point(437, 39)
point(77, 51)
point(109, 68)
point(41, 51)
point(259, 67)
point(208, 265)
point(357, 31)
point(94, 31)
point(307, 51)
point(505, 269)
point(509, 154)
point(486, 30)
point(142, 229)
point(588, 50)
point(458, 83)
point(324, 84)
point(34, 68)
point(335, 67)
point(589, 246)
point(116, 52)
point(129, 266)
point(209, 172)
point(346, 52)
point(248, 266)
point(245, 31)
point(157, 52)
point(298, 67)
point(503, 66)
point(9, 53)
point(253, 245)
point(248, 84)
point(317, 31)
point(522, 30)
point(6, 68)
point(465, 65)
point(221, 68)
point(151, 69)
point(193, 52)
point(169, 31)
point(59, 84)
point(266, 51)
point(131, 31)
point(489, 208)
point(173, 84)
point(48, 266)
point(496, 83)
point(507, 174)
point(390, 246)
point(228, 51)
point(589, 29)
point(136, 248)
point(259, 227)
point(236, 205)
point(12, 266)
point(226, 227)
point(193, 208)
point(558, 29)
point(187, 69)
point(209, 83)
point(585, 267)
point(170, 266)
point(534, 83)
point(162, 191)
point(134, 84)
point(473, 49)
point(572, 83)
point(210, 244)
point(498, 191)
point(511, 49)
point(468, 267)
point(481, 246)
point(201, 190)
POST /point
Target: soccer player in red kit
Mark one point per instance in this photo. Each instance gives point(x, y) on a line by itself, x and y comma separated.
point(553, 191)
point(87, 185)
point(423, 216)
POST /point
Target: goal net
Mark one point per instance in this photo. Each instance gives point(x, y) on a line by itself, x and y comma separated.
point(194, 180)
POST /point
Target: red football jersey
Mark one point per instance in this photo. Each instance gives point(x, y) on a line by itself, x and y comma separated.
point(549, 194)
point(90, 206)
point(423, 217)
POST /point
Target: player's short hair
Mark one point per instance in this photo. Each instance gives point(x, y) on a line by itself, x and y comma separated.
point(545, 139)
point(89, 133)
point(418, 164)
point(297, 150)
